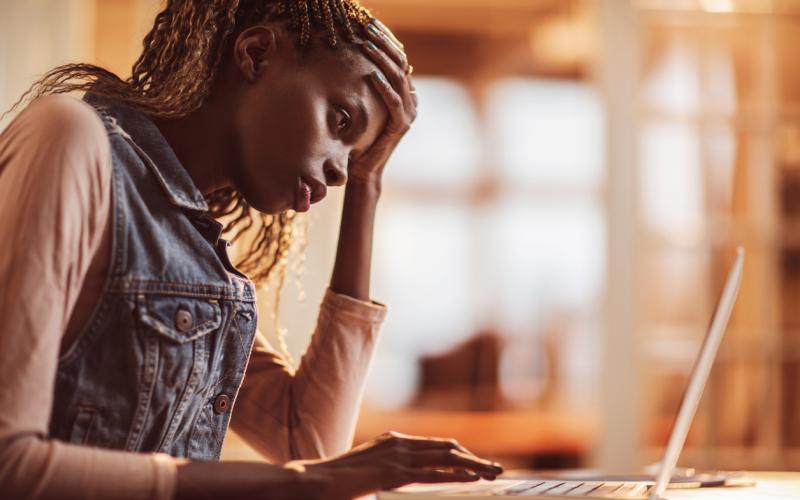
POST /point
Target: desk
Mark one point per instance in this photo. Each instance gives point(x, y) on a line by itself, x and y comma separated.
point(770, 485)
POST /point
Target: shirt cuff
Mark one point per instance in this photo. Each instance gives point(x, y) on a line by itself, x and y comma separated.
point(372, 311)
point(165, 473)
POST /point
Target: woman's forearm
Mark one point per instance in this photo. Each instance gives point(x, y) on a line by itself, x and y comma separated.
point(243, 480)
point(322, 396)
point(351, 271)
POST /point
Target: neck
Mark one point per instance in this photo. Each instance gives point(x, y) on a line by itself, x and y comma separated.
point(203, 144)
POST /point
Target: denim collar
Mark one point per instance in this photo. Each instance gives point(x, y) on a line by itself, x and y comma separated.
point(173, 177)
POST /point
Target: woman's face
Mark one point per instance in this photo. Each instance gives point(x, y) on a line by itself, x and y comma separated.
point(300, 119)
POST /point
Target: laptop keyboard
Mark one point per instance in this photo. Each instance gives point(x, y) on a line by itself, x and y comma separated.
point(576, 488)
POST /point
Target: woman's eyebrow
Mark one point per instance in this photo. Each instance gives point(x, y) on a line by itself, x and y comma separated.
point(362, 122)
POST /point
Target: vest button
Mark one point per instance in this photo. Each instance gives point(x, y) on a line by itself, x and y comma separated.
point(183, 320)
point(222, 403)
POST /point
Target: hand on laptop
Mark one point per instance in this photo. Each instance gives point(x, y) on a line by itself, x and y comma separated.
point(393, 460)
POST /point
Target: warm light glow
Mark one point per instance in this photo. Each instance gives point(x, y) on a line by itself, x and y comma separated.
point(717, 5)
point(712, 6)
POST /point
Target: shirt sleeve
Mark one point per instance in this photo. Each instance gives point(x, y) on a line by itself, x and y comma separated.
point(311, 413)
point(55, 195)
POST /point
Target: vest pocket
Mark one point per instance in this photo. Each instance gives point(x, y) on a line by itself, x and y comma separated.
point(181, 319)
point(174, 331)
point(83, 425)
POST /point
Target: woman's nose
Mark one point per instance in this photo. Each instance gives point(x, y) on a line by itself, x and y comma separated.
point(334, 175)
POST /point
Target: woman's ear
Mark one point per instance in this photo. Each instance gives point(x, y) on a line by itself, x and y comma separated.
point(254, 48)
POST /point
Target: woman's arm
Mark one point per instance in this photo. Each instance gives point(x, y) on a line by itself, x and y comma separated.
point(390, 461)
point(351, 272)
point(55, 183)
point(312, 413)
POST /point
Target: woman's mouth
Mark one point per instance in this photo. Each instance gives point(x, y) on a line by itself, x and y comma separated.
point(309, 191)
point(302, 201)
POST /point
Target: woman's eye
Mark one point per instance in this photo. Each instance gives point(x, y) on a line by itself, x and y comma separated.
point(342, 120)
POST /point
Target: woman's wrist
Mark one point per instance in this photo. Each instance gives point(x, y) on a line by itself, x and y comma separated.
point(310, 478)
point(368, 188)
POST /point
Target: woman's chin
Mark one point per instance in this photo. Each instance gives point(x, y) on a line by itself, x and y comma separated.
point(268, 206)
point(271, 205)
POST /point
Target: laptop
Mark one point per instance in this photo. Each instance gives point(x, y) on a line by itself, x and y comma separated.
point(599, 487)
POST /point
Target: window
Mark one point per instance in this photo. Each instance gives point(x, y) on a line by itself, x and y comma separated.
point(493, 219)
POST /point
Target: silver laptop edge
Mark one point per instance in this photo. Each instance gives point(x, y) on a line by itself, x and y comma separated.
point(697, 382)
point(689, 403)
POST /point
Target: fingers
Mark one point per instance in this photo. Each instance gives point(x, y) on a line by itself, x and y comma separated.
point(398, 124)
point(396, 459)
point(453, 459)
point(439, 476)
point(393, 80)
point(437, 452)
point(397, 84)
point(387, 43)
point(389, 67)
point(388, 32)
point(413, 91)
point(433, 442)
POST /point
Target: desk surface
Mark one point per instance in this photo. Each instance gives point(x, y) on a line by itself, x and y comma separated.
point(769, 485)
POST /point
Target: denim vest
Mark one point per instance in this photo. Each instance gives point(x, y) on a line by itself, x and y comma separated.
point(159, 363)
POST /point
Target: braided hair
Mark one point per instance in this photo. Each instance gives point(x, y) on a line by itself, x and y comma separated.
point(173, 77)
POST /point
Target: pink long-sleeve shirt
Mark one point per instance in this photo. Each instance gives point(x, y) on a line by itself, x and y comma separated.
point(55, 194)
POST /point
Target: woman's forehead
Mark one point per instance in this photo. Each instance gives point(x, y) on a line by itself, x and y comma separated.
point(349, 70)
point(348, 67)
point(345, 59)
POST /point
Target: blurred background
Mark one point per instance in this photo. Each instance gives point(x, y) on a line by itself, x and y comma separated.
point(557, 226)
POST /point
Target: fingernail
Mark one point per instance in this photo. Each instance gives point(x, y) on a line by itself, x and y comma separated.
point(371, 46)
point(379, 76)
point(379, 25)
point(371, 26)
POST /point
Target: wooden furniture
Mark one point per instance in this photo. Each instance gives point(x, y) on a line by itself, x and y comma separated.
point(505, 433)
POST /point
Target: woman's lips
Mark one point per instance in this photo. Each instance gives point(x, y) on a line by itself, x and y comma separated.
point(302, 201)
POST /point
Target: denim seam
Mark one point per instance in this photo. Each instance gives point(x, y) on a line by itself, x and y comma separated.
point(196, 423)
point(235, 376)
point(212, 427)
point(176, 198)
point(243, 370)
point(118, 248)
point(201, 330)
point(83, 409)
point(231, 323)
point(145, 392)
point(202, 417)
point(185, 397)
point(156, 287)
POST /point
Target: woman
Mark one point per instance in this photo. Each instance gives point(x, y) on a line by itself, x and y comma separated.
point(125, 328)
